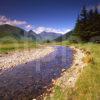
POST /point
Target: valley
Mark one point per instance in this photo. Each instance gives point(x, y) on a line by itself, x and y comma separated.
point(49, 50)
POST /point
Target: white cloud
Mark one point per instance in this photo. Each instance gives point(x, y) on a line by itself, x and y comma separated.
point(29, 27)
point(26, 26)
point(5, 20)
point(23, 24)
point(47, 29)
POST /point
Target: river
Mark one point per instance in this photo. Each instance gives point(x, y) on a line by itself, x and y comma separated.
point(30, 80)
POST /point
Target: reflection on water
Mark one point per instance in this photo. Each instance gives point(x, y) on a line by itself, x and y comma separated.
point(30, 80)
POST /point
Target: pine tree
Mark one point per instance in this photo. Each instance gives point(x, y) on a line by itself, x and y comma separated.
point(90, 14)
point(96, 10)
point(96, 22)
point(83, 15)
point(82, 23)
point(88, 24)
point(77, 24)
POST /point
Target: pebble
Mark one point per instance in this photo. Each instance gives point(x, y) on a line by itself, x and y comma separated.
point(23, 57)
point(68, 79)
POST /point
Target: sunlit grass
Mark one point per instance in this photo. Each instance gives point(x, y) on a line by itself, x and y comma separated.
point(7, 47)
point(88, 84)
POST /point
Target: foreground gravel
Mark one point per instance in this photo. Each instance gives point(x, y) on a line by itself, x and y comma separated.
point(10, 60)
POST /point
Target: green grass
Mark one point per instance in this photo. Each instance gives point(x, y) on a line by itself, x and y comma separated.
point(88, 84)
point(12, 46)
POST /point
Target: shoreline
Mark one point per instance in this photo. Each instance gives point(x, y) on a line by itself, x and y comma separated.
point(69, 76)
point(13, 59)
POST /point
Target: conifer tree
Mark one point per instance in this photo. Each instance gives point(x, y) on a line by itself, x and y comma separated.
point(88, 24)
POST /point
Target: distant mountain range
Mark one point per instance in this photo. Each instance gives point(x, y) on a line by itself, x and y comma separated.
point(49, 35)
point(64, 37)
point(20, 34)
point(33, 36)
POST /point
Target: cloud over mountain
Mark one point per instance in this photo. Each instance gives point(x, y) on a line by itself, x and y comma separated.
point(27, 26)
point(14, 22)
point(47, 29)
point(5, 20)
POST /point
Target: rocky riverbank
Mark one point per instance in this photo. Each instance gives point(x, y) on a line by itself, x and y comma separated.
point(13, 59)
point(69, 76)
point(31, 79)
point(53, 73)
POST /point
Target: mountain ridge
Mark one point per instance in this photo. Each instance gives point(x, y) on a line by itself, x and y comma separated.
point(17, 33)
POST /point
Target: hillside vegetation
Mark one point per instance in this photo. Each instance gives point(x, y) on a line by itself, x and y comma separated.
point(14, 38)
point(88, 25)
point(11, 31)
point(64, 37)
point(87, 28)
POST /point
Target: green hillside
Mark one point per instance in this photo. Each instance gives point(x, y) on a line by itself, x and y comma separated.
point(11, 31)
point(64, 37)
point(14, 38)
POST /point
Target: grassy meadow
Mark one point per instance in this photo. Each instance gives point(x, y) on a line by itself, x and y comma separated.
point(19, 45)
point(88, 84)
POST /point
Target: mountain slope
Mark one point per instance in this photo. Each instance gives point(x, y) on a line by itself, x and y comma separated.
point(8, 32)
point(49, 35)
point(11, 31)
point(32, 35)
point(64, 37)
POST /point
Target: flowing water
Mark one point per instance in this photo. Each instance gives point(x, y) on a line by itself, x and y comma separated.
point(31, 80)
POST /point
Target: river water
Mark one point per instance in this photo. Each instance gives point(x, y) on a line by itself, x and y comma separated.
point(31, 80)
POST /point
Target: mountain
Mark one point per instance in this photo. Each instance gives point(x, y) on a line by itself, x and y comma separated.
point(64, 37)
point(15, 33)
point(49, 35)
point(11, 31)
point(32, 35)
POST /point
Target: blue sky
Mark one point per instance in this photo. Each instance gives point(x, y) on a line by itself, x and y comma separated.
point(39, 15)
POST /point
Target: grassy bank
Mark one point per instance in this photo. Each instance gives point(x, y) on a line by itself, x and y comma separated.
point(11, 46)
point(88, 84)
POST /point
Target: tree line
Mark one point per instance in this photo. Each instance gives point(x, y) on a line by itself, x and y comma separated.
point(88, 24)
